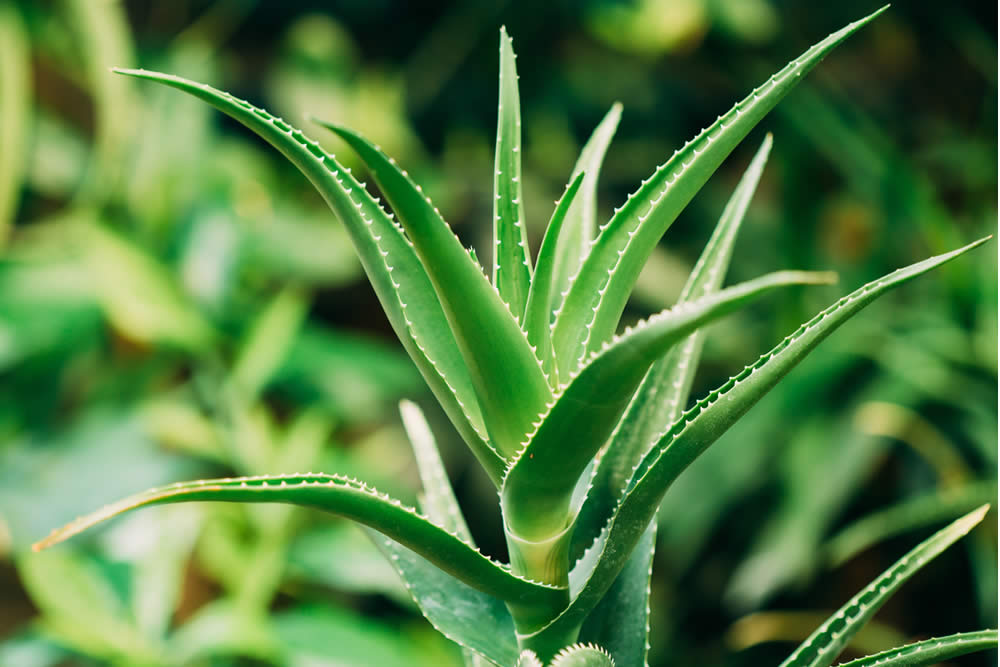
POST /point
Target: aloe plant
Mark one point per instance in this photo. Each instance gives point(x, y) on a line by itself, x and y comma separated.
point(581, 428)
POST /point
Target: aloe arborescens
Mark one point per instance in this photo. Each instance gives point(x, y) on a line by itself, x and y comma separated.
point(580, 428)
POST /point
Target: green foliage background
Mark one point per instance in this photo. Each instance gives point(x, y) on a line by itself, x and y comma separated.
point(175, 301)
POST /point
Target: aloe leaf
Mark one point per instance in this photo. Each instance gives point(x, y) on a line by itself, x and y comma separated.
point(910, 514)
point(511, 260)
point(438, 500)
point(537, 489)
point(930, 651)
point(508, 378)
point(475, 621)
point(664, 391)
point(699, 427)
point(596, 299)
point(620, 621)
point(395, 271)
point(826, 643)
point(345, 497)
point(15, 107)
point(574, 240)
point(543, 289)
point(582, 655)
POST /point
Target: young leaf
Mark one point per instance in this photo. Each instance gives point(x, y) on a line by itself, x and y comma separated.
point(826, 643)
point(665, 389)
point(511, 260)
point(396, 273)
point(930, 651)
point(510, 385)
point(542, 292)
point(537, 489)
point(596, 299)
point(438, 500)
point(528, 659)
point(475, 621)
point(581, 227)
point(700, 426)
point(345, 497)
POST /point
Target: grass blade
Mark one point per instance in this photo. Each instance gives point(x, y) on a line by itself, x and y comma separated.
point(511, 260)
point(344, 497)
point(538, 487)
point(543, 290)
point(930, 651)
point(594, 304)
point(510, 385)
point(395, 271)
point(826, 643)
point(700, 426)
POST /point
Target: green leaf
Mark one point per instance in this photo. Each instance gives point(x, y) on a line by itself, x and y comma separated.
point(826, 643)
point(511, 259)
point(345, 497)
point(537, 489)
point(268, 341)
point(664, 391)
point(473, 620)
point(543, 290)
point(578, 233)
point(620, 621)
point(15, 108)
point(700, 426)
point(910, 514)
point(582, 655)
point(396, 273)
point(930, 651)
point(528, 659)
point(438, 500)
point(596, 299)
point(508, 378)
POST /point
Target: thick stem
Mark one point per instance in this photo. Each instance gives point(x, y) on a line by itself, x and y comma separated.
point(545, 561)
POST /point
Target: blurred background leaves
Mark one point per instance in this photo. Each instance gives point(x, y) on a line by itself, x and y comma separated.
point(176, 302)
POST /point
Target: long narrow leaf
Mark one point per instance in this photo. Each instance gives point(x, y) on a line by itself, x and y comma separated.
point(510, 385)
point(511, 260)
point(537, 489)
point(345, 497)
point(538, 313)
point(826, 643)
point(664, 391)
point(574, 240)
point(590, 313)
point(395, 271)
point(700, 426)
point(929, 651)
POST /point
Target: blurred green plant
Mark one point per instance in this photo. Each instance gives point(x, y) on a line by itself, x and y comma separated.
point(525, 364)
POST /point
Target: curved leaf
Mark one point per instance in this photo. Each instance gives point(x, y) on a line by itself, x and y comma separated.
point(538, 313)
point(826, 643)
point(511, 260)
point(596, 299)
point(537, 489)
point(582, 655)
point(930, 651)
point(345, 497)
point(510, 385)
point(664, 391)
point(396, 273)
point(700, 426)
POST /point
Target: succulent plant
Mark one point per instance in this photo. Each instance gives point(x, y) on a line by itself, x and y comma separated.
point(581, 429)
